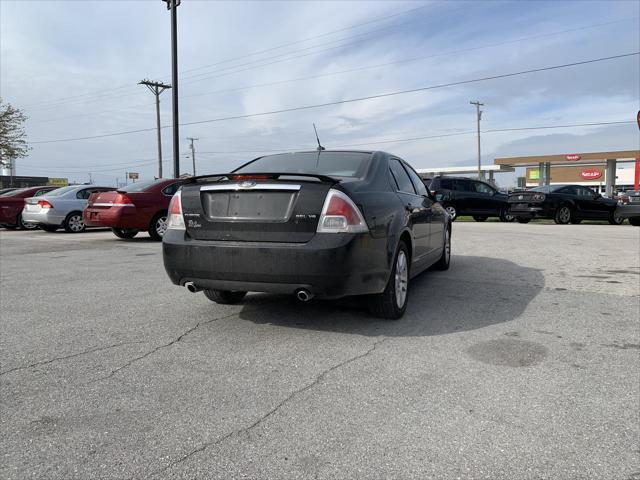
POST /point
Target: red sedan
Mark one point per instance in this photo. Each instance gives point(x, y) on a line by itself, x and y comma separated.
point(12, 203)
point(136, 207)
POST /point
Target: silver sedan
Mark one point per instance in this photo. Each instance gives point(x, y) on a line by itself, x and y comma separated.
point(60, 208)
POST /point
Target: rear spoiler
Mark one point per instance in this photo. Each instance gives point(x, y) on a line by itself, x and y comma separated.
point(217, 177)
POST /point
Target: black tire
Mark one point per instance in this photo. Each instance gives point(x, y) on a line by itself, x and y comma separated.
point(505, 216)
point(635, 221)
point(523, 219)
point(613, 220)
point(445, 259)
point(385, 304)
point(224, 297)
point(20, 225)
point(564, 214)
point(74, 223)
point(158, 226)
point(125, 233)
point(49, 228)
point(480, 218)
point(452, 211)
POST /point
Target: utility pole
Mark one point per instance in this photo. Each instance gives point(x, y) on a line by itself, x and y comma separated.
point(478, 118)
point(157, 88)
point(173, 6)
point(193, 153)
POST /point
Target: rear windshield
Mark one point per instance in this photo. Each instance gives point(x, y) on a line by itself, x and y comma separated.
point(140, 186)
point(16, 192)
point(331, 164)
point(60, 191)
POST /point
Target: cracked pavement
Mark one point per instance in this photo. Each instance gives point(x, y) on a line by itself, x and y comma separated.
point(521, 361)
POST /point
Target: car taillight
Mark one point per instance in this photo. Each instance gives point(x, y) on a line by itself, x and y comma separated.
point(44, 204)
point(250, 177)
point(122, 200)
point(539, 197)
point(340, 215)
point(175, 219)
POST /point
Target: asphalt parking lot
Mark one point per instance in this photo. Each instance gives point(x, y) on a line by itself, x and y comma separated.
point(520, 362)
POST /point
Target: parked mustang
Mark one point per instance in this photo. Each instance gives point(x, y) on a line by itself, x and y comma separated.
point(60, 208)
point(564, 204)
point(138, 206)
point(323, 223)
point(467, 196)
point(12, 203)
point(630, 207)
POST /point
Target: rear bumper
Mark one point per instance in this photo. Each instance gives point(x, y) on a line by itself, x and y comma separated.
point(114, 217)
point(43, 217)
point(530, 212)
point(628, 211)
point(330, 265)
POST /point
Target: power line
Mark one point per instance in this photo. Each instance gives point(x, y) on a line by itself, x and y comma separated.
point(352, 100)
point(378, 19)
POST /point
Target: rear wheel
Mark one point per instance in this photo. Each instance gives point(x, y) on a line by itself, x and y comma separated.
point(74, 223)
point(523, 219)
point(445, 258)
point(392, 303)
point(635, 221)
point(613, 220)
point(225, 297)
point(124, 232)
point(49, 228)
point(505, 216)
point(25, 226)
point(451, 210)
point(480, 218)
point(158, 226)
point(563, 215)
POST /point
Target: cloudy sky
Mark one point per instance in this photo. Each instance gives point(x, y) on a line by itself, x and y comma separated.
point(73, 66)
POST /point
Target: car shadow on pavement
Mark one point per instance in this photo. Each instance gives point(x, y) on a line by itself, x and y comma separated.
point(474, 293)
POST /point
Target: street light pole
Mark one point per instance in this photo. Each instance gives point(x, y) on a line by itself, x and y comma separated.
point(478, 117)
point(172, 5)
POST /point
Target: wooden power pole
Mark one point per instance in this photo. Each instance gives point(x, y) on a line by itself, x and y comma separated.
point(157, 88)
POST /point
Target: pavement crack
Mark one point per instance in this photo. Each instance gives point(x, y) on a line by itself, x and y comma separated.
point(316, 381)
point(65, 357)
point(160, 347)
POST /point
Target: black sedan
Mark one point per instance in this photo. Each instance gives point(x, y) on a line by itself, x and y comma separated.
point(320, 223)
point(564, 204)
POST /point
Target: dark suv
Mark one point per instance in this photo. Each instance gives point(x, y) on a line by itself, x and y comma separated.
point(466, 196)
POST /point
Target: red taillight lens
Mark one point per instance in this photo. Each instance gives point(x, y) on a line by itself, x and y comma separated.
point(121, 200)
point(340, 215)
point(44, 204)
point(175, 220)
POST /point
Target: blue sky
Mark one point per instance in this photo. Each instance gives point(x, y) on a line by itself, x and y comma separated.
point(74, 66)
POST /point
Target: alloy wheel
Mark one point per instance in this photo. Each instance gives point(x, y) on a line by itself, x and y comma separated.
point(401, 279)
point(564, 215)
point(451, 210)
point(161, 226)
point(75, 223)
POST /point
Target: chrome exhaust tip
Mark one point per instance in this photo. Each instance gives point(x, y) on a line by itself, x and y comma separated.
point(192, 287)
point(304, 295)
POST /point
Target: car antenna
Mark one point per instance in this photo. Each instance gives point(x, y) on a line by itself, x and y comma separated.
point(320, 147)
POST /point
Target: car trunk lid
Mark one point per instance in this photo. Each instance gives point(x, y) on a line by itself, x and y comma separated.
point(256, 208)
point(105, 200)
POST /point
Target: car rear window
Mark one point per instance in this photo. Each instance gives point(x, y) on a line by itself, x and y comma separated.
point(60, 191)
point(15, 192)
point(140, 186)
point(331, 164)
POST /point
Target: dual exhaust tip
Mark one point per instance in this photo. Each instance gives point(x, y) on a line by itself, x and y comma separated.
point(302, 294)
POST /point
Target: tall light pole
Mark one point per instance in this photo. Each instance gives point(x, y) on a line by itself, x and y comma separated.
point(193, 153)
point(157, 88)
point(172, 5)
point(478, 118)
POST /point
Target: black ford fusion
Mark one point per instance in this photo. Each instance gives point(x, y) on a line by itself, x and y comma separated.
point(320, 223)
point(564, 204)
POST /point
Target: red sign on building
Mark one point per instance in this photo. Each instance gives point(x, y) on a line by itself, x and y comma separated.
point(591, 174)
point(573, 157)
